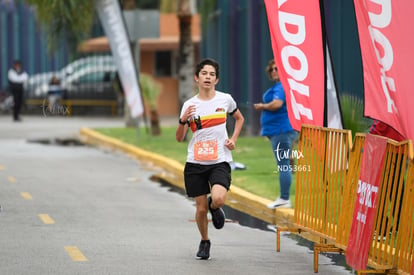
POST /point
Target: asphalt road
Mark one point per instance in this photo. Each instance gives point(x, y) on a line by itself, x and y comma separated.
point(80, 210)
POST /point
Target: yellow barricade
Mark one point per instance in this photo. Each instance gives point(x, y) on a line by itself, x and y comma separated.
point(383, 247)
point(318, 194)
point(405, 239)
point(389, 206)
point(326, 193)
point(349, 191)
point(319, 183)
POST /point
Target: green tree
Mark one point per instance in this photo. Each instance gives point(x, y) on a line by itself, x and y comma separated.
point(186, 52)
point(150, 90)
point(71, 20)
point(353, 114)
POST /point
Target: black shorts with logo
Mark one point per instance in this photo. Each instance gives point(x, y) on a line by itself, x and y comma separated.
point(199, 178)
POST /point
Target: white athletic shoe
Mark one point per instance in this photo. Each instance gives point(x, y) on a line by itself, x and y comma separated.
point(279, 203)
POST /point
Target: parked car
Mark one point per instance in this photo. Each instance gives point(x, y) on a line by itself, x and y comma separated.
point(88, 78)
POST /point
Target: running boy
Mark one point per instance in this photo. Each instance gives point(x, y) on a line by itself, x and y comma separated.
point(207, 169)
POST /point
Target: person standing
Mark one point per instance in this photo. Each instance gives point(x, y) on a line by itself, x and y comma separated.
point(276, 127)
point(54, 94)
point(17, 77)
point(207, 169)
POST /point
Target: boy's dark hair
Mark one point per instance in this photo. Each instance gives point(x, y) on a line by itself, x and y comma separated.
point(208, 61)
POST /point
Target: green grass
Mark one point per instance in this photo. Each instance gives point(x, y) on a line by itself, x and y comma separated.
point(353, 114)
point(259, 178)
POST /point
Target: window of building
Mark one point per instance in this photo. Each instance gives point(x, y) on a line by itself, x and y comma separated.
point(165, 63)
point(148, 4)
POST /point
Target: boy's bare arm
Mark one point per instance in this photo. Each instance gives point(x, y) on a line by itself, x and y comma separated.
point(231, 143)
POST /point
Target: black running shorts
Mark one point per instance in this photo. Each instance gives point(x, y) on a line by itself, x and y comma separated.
point(198, 177)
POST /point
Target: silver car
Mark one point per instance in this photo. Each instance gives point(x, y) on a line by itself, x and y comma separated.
point(89, 78)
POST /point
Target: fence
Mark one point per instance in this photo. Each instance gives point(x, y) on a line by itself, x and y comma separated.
point(86, 82)
point(405, 240)
point(326, 194)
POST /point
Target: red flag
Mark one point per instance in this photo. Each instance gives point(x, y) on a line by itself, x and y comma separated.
point(360, 236)
point(296, 35)
point(412, 268)
point(387, 39)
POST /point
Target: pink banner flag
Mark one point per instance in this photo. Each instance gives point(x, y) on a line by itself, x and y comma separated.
point(360, 236)
point(386, 36)
point(296, 35)
point(412, 268)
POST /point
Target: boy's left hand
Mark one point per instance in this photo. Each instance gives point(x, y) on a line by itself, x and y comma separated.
point(229, 143)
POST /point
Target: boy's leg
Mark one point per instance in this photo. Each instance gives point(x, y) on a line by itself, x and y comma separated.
point(216, 201)
point(220, 179)
point(201, 216)
point(203, 252)
point(218, 196)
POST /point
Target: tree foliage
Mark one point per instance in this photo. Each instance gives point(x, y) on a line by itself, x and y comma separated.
point(206, 9)
point(71, 20)
point(150, 90)
point(353, 114)
point(68, 19)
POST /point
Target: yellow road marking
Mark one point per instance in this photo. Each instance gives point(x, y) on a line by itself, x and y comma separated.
point(26, 195)
point(75, 254)
point(46, 219)
point(12, 179)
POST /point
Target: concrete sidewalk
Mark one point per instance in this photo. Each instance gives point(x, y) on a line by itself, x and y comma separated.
point(295, 257)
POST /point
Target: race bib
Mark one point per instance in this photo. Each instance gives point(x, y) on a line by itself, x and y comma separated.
point(206, 150)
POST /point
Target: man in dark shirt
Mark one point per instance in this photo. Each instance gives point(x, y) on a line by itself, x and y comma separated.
point(17, 77)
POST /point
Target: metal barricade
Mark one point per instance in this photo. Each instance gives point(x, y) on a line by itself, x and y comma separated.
point(326, 194)
point(405, 238)
point(319, 187)
point(349, 191)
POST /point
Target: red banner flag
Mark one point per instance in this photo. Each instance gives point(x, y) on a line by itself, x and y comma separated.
point(387, 40)
point(360, 236)
point(412, 268)
point(296, 35)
